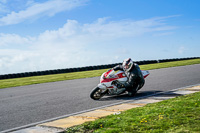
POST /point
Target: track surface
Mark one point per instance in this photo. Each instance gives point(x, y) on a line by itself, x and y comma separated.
point(33, 103)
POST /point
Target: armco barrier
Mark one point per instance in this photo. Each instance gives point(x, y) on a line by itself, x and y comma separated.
point(86, 68)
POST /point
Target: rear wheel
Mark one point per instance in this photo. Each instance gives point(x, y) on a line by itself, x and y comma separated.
point(96, 93)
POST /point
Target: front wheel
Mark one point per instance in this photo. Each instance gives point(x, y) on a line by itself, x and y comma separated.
point(97, 93)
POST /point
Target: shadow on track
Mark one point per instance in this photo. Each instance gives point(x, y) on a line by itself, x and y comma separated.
point(126, 97)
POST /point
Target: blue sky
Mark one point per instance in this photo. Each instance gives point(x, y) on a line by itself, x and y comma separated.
point(40, 35)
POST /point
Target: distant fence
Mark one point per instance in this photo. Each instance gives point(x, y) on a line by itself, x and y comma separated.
point(87, 68)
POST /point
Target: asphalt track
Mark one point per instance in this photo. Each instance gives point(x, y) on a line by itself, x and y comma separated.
point(34, 103)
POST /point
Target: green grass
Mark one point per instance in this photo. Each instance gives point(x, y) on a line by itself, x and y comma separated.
point(85, 74)
point(177, 115)
point(170, 64)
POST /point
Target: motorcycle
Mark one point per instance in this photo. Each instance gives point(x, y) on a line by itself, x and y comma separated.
point(106, 86)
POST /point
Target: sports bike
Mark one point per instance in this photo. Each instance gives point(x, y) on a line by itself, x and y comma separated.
point(106, 86)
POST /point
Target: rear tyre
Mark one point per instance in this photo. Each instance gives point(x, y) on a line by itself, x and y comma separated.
point(96, 93)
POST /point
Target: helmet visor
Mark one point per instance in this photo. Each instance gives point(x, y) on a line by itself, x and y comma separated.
point(127, 64)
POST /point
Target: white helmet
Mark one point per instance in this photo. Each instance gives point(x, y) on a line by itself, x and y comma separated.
point(127, 64)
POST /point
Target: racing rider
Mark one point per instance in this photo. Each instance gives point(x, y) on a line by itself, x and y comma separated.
point(135, 78)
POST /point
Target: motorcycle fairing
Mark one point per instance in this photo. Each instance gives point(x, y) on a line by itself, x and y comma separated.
point(111, 76)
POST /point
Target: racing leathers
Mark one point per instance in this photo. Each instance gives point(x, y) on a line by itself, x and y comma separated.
point(135, 79)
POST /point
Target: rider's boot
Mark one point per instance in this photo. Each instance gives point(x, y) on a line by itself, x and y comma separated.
point(132, 93)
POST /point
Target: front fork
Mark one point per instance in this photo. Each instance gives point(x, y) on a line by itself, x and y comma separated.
point(102, 87)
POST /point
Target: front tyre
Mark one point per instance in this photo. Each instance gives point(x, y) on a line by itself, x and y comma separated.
point(97, 93)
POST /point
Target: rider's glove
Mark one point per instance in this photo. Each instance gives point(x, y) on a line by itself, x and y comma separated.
point(118, 84)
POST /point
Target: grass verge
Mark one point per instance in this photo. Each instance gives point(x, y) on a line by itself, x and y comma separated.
point(85, 74)
point(177, 115)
